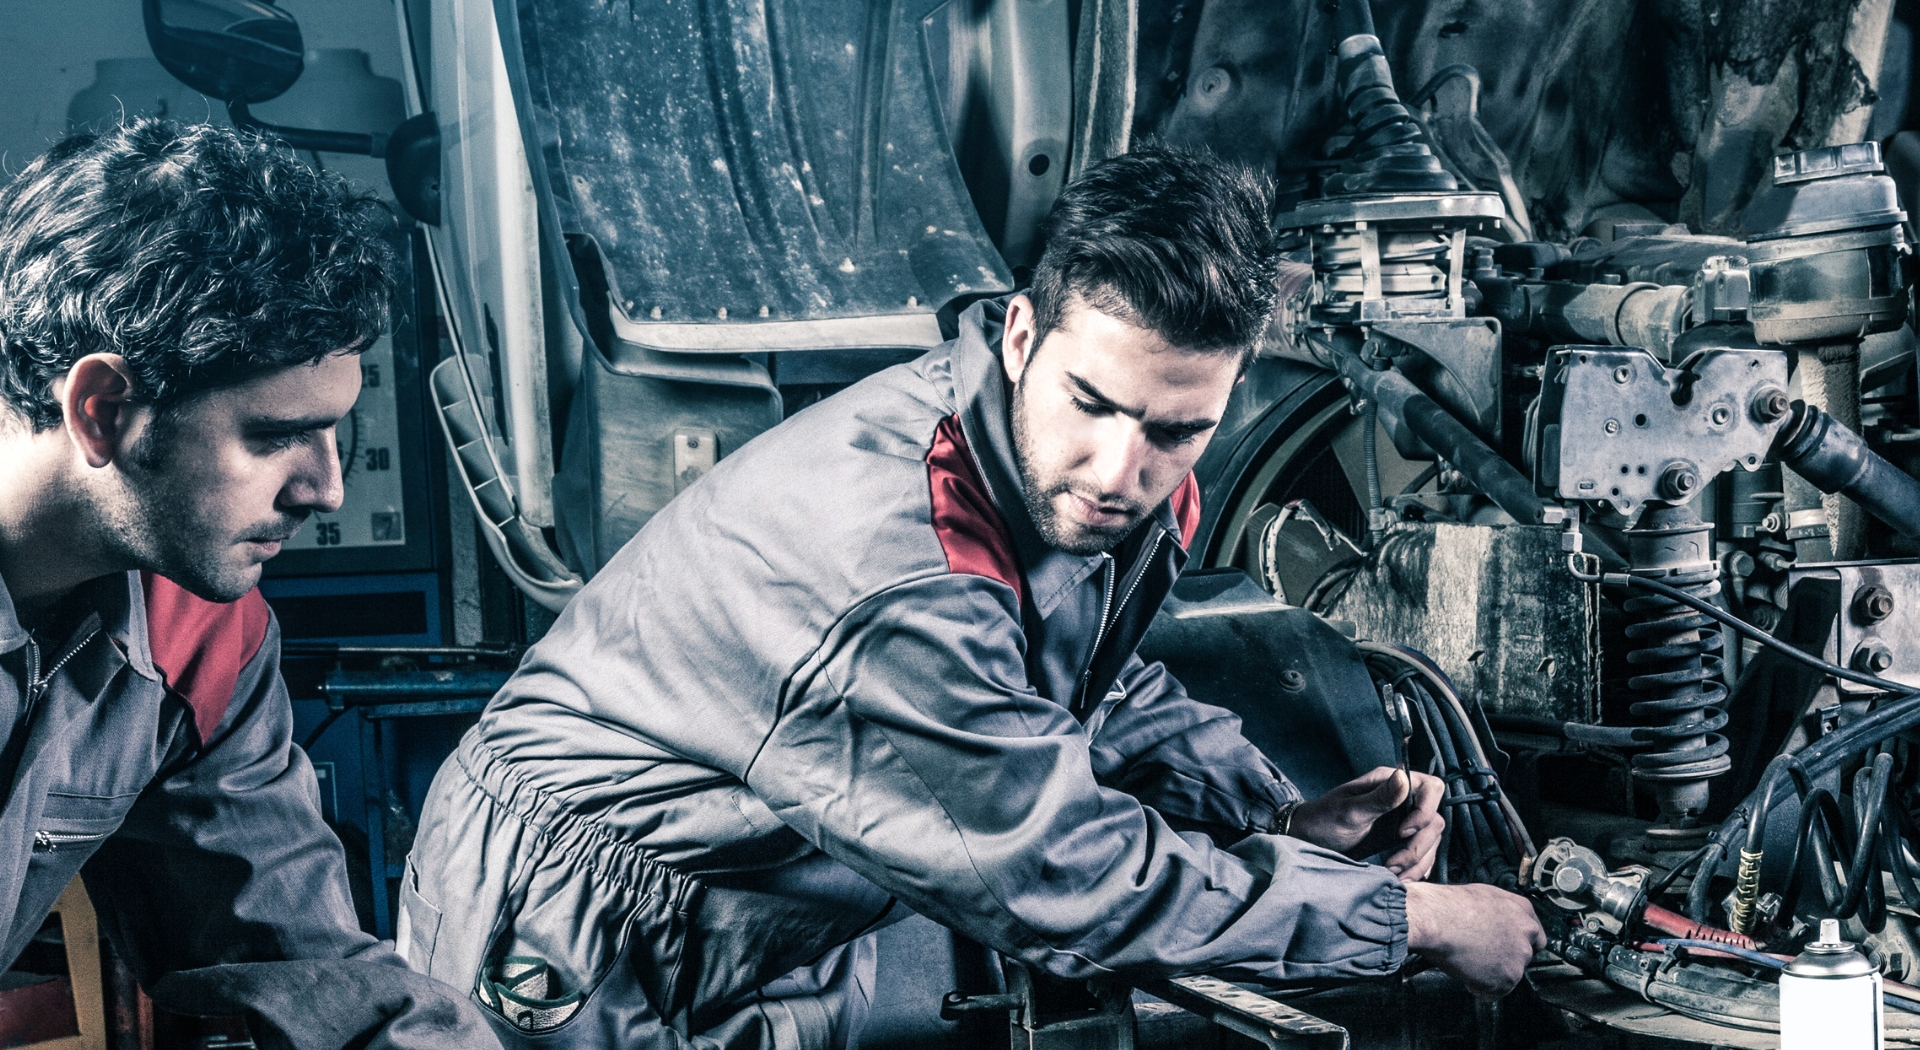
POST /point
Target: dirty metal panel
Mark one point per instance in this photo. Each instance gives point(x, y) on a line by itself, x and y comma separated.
point(1618, 420)
point(1495, 606)
point(1879, 618)
point(1300, 687)
point(1267, 1021)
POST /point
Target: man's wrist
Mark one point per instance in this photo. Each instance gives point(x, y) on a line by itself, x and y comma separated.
point(1283, 821)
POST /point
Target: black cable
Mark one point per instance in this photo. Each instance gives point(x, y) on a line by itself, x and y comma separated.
point(1621, 579)
point(321, 729)
point(1673, 874)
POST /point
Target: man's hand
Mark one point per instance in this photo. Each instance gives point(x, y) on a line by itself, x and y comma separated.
point(1376, 811)
point(1480, 934)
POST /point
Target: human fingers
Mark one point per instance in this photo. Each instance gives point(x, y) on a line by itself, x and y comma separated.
point(1428, 792)
point(1413, 861)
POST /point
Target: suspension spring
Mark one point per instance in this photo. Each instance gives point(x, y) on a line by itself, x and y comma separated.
point(1677, 664)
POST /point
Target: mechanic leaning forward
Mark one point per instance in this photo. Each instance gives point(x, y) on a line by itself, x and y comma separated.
point(882, 658)
point(181, 315)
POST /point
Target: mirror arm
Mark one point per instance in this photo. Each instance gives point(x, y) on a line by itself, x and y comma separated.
point(374, 145)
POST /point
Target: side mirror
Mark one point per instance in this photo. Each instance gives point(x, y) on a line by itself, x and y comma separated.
point(238, 51)
point(247, 51)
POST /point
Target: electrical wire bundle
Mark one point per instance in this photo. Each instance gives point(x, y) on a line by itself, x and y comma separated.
point(1485, 839)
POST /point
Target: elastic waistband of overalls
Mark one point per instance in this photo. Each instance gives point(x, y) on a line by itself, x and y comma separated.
point(585, 842)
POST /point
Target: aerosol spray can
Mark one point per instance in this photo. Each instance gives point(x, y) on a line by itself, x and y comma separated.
point(1830, 997)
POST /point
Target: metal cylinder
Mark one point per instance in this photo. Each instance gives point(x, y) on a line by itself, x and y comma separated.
point(1834, 387)
point(1830, 997)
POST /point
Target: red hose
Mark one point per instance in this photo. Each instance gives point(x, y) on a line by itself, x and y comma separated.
point(1674, 924)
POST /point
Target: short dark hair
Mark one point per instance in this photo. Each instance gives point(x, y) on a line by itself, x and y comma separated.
point(202, 255)
point(1173, 240)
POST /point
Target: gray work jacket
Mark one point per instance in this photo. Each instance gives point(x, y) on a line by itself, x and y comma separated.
point(156, 763)
point(849, 637)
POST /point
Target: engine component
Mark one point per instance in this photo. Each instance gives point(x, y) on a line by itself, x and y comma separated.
point(1826, 264)
point(1406, 409)
point(1573, 878)
point(1617, 425)
point(1496, 607)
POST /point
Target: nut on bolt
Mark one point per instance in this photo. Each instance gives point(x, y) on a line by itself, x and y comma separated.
point(1769, 403)
point(1679, 481)
point(1872, 657)
point(1872, 604)
point(1292, 681)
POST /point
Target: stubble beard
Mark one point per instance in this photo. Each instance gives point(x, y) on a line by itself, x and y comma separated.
point(1039, 494)
point(152, 525)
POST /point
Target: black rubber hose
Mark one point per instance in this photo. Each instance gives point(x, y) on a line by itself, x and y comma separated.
point(1838, 460)
point(1485, 783)
point(1823, 834)
point(1478, 820)
point(1460, 447)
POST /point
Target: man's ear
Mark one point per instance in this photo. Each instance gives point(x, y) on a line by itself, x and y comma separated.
point(1017, 338)
point(96, 405)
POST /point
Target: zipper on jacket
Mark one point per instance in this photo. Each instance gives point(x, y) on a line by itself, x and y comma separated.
point(1110, 610)
point(37, 681)
point(1109, 569)
point(55, 841)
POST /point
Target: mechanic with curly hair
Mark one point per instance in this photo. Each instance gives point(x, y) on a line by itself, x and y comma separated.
point(181, 314)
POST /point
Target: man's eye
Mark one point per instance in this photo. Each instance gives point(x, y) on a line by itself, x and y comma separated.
point(283, 442)
point(1172, 438)
point(1089, 407)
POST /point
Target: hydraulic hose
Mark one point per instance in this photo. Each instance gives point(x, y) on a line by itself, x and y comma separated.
point(1837, 460)
point(1400, 399)
point(1804, 767)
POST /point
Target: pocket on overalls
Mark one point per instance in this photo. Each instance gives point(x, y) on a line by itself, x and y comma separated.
point(417, 929)
point(549, 958)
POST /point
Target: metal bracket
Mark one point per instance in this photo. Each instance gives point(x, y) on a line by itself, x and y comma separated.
point(1266, 1021)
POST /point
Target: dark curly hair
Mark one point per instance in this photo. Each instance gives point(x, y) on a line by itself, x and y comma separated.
point(202, 255)
point(1172, 240)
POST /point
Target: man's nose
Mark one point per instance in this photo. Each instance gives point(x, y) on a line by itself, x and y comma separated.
point(316, 484)
point(1119, 462)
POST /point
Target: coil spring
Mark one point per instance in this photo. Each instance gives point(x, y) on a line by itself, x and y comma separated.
point(1679, 652)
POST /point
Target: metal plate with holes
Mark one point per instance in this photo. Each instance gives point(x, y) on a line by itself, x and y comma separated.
point(1617, 425)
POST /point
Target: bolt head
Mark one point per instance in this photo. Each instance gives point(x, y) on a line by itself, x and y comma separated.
point(1679, 481)
point(1623, 374)
point(1873, 658)
point(1872, 604)
point(1721, 415)
point(1292, 681)
point(1770, 403)
point(1612, 426)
